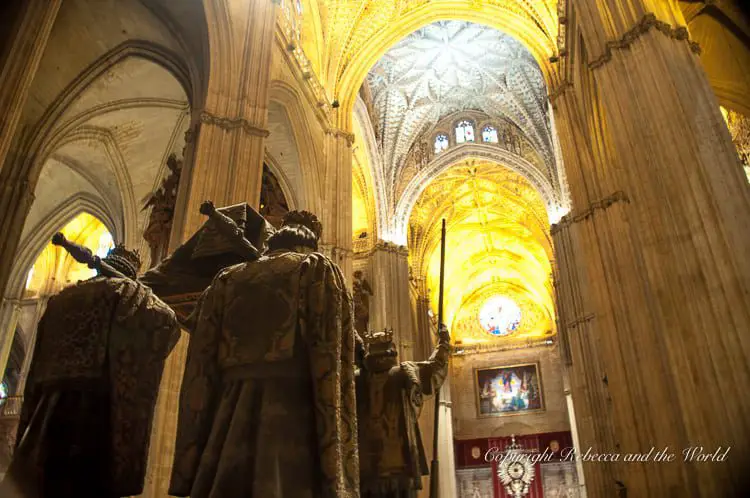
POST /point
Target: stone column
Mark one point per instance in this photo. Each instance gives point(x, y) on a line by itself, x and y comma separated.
point(225, 165)
point(337, 200)
point(446, 459)
point(576, 443)
point(32, 29)
point(41, 306)
point(391, 303)
point(9, 312)
point(654, 275)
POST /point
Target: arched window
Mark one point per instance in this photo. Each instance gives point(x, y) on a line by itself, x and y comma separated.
point(441, 143)
point(464, 132)
point(298, 4)
point(489, 134)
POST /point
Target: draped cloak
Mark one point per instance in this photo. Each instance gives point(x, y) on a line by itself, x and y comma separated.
point(267, 405)
point(89, 401)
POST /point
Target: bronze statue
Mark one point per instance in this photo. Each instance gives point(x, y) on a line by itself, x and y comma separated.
point(361, 293)
point(89, 400)
point(267, 402)
point(389, 400)
point(181, 278)
point(162, 204)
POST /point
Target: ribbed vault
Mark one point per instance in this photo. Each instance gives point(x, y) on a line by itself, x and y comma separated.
point(498, 245)
point(452, 66)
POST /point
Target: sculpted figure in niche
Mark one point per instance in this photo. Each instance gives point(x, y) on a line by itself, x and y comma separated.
point(162, 204)
point(273, 205)
point(267, 404)
point(89, 400)
point(390, 397)
point(362, 292)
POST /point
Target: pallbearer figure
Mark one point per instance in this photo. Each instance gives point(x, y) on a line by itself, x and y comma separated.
point(267, 402)
point(390, 396)
point(89, 400)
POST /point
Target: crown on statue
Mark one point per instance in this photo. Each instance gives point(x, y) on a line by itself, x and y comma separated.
point(380, 338)
point(305, 219)
point(124, 260)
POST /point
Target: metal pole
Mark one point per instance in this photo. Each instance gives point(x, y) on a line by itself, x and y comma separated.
point(434, 465)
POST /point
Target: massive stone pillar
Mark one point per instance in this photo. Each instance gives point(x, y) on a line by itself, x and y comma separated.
point(20, 60)
point(224, 163)
point(337, 200)
point(653, 275)
point(391, 302)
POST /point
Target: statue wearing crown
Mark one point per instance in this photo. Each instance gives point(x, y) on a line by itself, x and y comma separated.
point(90, 395)
point(390, 396)
point(267, 405)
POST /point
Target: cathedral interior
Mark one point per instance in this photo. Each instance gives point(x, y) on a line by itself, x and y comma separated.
point(589, 160)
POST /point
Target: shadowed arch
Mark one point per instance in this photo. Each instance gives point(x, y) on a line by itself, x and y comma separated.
point(157, 54)
point(38, 238)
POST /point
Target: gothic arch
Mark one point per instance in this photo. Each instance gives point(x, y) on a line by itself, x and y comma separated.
point(457, 154)
point(39, 142)
point(519, 25)
point(308, 190)
point(41, 234)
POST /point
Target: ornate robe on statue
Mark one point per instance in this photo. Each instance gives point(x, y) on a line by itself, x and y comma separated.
point(392, 456)
point(267, 404)
point(89, 400)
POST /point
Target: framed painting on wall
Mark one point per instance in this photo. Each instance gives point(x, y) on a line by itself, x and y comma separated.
point(508, 390)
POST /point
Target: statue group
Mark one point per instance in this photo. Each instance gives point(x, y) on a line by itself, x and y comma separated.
point(281, 397)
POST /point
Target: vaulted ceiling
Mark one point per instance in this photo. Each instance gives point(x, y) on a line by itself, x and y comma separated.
point(452, 66)
point(497, 246)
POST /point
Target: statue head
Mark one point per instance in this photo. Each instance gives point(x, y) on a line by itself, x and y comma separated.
point(295, 238)
point(304, 219)
point(381, 352)
point(124, 260)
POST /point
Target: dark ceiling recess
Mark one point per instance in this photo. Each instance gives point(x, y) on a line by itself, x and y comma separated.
point(9, 12)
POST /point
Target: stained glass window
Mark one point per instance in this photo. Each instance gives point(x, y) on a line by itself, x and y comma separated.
point(441, 143)
point(500, 316)
point(464, 132)
point(489, 134)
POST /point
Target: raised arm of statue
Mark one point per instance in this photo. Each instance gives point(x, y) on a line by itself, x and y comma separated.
point(432, 372)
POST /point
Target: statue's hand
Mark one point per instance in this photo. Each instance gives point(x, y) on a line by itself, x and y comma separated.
point(443, 334)
point(58, 239)
point(207, 207)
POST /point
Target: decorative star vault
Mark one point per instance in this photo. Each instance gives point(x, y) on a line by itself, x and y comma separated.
point(452, 66)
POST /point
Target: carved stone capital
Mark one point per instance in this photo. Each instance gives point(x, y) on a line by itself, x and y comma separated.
point(232, 124)
point(642, 27)
point(336, 132)
point(601, 204)
point(559, 91)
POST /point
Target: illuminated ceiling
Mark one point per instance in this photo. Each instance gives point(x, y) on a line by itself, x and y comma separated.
point(452, 66)
point(358, 32)
point(497, 245)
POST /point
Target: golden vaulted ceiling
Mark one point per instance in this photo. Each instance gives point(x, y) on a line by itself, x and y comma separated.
point(498, 246)
point(356, 33)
